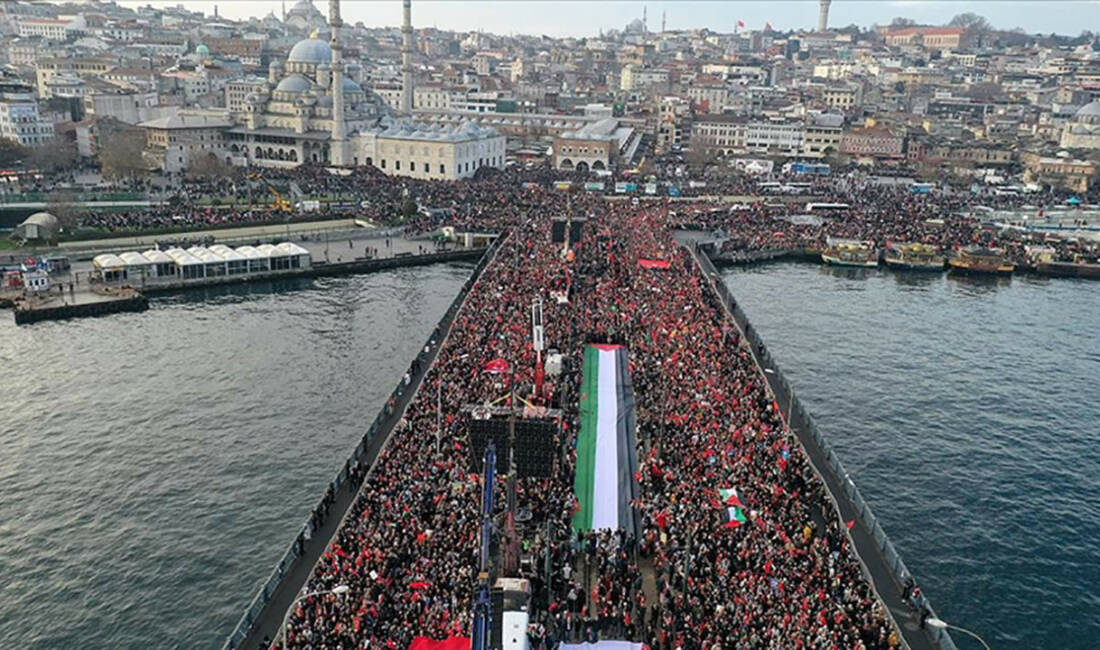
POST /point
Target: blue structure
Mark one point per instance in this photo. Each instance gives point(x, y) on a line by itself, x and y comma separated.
point(482, 605)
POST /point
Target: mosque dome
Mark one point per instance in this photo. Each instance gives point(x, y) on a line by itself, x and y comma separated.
point(295, 83)
point(1089, 113)
point(351, 87)
point(202, 50)
point(311, 50)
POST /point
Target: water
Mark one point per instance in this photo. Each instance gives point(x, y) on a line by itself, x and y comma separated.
point(967, 414)
point(155, 466)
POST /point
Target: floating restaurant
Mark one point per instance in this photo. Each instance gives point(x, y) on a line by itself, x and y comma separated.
point(199, 263)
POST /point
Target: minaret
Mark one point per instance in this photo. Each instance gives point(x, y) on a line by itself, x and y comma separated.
point(645, 21)
point(284, 11)
point(406, 60)
point(663, 22)
point(339, 137)
point(823, 15)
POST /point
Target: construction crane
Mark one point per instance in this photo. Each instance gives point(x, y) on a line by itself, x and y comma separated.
point(278, 202)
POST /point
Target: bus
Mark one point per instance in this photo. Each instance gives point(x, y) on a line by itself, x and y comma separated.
point(827, 207)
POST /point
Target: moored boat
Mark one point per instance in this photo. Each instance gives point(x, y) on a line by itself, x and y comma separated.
point(981, 260)
point(1046, 260)
point(913, 257)
point(849, 252)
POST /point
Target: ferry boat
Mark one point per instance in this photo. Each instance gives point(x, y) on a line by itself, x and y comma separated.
point(980, 260)
point(1046, 262)
point(849, 252)
point(913, 257)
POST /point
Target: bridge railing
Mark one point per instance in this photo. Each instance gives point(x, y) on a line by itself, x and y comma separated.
point(384, 418)
point(799, 419)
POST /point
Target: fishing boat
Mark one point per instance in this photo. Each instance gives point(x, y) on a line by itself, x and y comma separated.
point(981, 261)
point(913, 257)
point(849, 252)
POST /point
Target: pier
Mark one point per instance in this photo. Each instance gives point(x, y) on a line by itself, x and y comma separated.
point(53, 306)
point(82, 300)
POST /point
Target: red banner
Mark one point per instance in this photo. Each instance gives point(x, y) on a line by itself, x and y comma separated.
point(497, 366)
point(453, 643)
point(653, 264)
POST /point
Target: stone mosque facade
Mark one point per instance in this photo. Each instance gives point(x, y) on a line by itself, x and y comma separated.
point(312, 109)
point(1083, 131)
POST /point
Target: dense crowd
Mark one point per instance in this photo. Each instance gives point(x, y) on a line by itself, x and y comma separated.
point(408, 551)
point(879, 211)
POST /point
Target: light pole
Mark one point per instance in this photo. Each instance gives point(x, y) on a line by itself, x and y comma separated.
point(941, 624)
point(790, 398)
point(338, 590)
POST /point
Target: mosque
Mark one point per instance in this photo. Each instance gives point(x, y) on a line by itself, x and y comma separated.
point(303, 16)
point(1083, 131)
point(312, 109)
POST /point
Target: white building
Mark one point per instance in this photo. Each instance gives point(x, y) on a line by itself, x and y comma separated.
point(52, 29)
point(19, 116)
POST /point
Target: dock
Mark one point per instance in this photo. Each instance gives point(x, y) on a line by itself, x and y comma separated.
point(77, 304)
point(83, 300)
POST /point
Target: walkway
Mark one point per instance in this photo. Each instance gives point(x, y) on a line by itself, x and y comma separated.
point(870, 552)
point(270, 619)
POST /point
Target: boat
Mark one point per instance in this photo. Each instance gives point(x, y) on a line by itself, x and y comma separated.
point(849, 252)
point(1077, 269)
point(913, 257)
point(982, 261)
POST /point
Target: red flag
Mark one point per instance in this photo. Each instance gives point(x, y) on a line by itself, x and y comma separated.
point(768, 26)
point(452, 643)
point(653, 264)
point(420, 584)
point(851, 522)
point(741, 23)
point(497, 366)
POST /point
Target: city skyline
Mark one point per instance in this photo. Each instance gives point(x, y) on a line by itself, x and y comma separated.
point(559, 18)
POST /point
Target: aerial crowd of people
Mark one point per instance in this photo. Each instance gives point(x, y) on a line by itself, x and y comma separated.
point(408, 552)
point(877, 211)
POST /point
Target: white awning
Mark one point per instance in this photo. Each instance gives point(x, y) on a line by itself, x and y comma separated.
point(108, 261)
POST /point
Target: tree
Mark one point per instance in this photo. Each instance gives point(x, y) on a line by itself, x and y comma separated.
point(971, 22)
point(62, 204)
point(207, 165)
point(902, 22)
point(58, 154)
point(11, 152)
point(120, 154)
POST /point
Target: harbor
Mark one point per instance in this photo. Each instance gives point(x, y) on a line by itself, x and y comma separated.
point(113, 283)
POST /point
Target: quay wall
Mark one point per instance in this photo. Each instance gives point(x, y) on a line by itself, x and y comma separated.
point(265, 612)
point(135, 302)
point(883, 567)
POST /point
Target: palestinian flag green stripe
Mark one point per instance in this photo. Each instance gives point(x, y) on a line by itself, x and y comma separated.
point(606, 448)
point(584, 483)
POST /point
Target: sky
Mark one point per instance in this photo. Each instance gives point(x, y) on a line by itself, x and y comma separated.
point(588, 17)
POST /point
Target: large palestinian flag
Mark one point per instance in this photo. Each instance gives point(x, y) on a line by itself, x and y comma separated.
point(606, 449)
